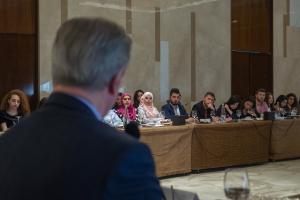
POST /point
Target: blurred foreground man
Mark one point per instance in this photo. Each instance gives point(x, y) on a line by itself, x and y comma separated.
point(63, 150)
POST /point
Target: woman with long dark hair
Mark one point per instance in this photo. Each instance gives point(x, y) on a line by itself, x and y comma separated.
point(292, 102)
point(137, 98)
point(14, 106)
point(230, 106)
point(247, 108)
point(280, 105)
point(270, 101)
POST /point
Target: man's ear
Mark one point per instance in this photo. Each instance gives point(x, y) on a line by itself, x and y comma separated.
point(115, 82)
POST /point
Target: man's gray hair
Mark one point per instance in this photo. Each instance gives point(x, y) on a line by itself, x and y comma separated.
point(88, 52)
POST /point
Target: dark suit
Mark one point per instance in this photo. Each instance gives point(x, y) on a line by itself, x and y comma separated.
point(169, 110)
point(63, 152)
point(202, 112)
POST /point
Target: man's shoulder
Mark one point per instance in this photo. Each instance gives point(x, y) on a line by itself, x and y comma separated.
point(114, 135)
point(180, 105)
point(198, 104)
point(166, 106)
point(71, 126)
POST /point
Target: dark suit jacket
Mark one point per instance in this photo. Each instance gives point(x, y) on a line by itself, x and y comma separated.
point(63, 152)
point(169, 111)
point(202, 113)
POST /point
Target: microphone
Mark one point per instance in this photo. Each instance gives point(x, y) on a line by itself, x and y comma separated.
point(132, 129)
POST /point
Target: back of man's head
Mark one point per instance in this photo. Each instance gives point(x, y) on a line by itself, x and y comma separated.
point(88, 52)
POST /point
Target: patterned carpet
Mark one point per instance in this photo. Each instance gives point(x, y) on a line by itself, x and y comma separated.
point(274, 180)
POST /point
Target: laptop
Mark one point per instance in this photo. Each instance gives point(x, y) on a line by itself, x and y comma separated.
point(178, 120)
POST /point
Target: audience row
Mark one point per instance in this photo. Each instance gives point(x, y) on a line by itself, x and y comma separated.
point(235, 108)
point(141, 108)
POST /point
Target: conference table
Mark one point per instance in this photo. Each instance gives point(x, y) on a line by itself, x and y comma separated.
point(193, 147)
point(285, 139)
point(230, 144)
point(171, 148)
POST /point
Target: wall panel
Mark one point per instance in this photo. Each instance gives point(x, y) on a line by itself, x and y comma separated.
point(251, 25)
point(18, 49)
point(18, 16)
point(251, 37)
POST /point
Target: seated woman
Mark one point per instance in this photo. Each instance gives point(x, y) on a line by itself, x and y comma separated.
point(14, 106)
point(127, 109)
point(117, 103)
point(137, 98)
point(281, 105)
point(292, 102)
point(247, 108)
point(147, 110)
point(230, 106)
point(270, 101)
point(112, 118)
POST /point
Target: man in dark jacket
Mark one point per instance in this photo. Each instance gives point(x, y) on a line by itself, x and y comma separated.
point(205, 107)
point(64, 150)
point(173, 106)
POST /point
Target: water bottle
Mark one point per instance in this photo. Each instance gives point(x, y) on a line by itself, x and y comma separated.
point(223, 113)
point(140, 116)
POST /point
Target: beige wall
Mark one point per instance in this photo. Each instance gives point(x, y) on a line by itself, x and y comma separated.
point(144, 72)
point(286, 69)
point(49, 21)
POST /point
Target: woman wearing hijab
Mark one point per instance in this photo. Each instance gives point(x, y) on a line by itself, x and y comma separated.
point(127, 109)
point(147, 110)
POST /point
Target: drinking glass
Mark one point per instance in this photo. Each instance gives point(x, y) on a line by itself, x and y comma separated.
point(212, 113)
point(238, 114)
point(194, 115)
point(283, 112)
point(18, 118)
point(162, 115)
point(294, 112)
point(236, 184)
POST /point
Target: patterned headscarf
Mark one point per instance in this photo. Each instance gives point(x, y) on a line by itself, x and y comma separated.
point(130, 109)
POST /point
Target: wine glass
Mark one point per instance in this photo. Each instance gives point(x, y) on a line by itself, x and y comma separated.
point(236, 184)
point(162, 115)
point(212, 113)
point(194, 115)
point(18, 118)
point(294, 112)
point(238, 114)
point(283, 112)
